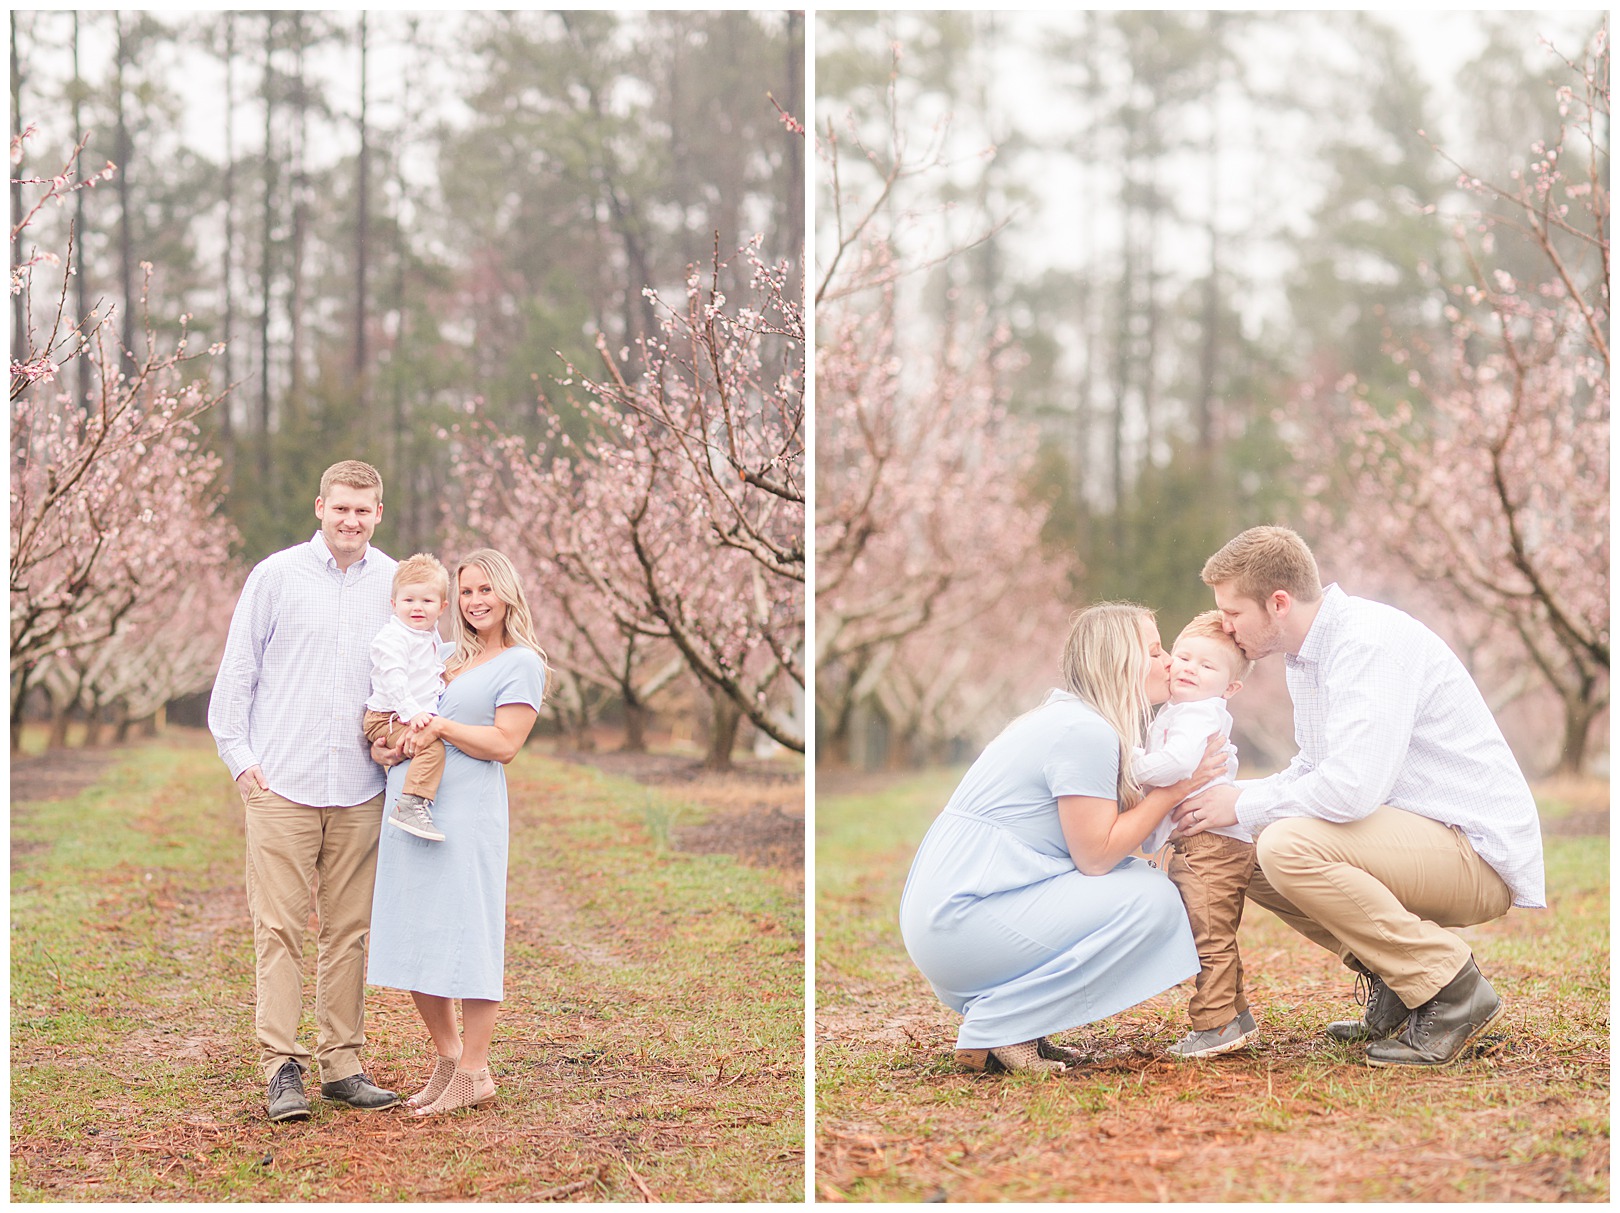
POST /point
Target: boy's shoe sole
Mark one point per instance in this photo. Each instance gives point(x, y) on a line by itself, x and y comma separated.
point(1215, 1050)
point(419, 832)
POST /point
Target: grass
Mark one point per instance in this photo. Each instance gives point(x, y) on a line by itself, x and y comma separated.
point(650, 1045)
point(1297, 1118)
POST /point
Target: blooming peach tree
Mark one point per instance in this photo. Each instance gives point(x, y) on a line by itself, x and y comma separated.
point(678, 526)
point(114, 505)
point(1488, 486)
point(929, 560)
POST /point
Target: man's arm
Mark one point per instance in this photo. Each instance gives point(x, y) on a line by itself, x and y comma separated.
point(1370, 700)
point(231, 702)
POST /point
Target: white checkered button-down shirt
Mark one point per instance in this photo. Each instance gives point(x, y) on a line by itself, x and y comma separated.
point(1385, 713)
point(292, 686)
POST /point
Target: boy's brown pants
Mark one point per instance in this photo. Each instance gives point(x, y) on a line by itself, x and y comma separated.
point(1212, 872)
point(426, 769)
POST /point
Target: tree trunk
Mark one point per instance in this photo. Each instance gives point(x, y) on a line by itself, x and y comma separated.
point(267, 263)
point(95, 722)
point(81, 278)
point(227, 406)
point(362, 236)
point(126, 236)
point(1579, 713)
point(724, 718)
point(298, 166)
point(636, 715)
point(19, 324)
point(797, 144)
point(60, 711)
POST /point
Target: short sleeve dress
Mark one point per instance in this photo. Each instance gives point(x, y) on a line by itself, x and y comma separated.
point(438, 915)
point(1007, 930)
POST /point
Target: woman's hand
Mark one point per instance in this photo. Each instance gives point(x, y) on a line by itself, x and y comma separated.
point(1211, 766)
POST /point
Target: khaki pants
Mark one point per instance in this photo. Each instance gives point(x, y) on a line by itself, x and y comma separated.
point(288, 845)
point(426, 769)
point(1379, 893)
point(1211, 872)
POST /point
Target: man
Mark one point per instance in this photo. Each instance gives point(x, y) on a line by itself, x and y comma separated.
point(286, 712)
point(1403, 813)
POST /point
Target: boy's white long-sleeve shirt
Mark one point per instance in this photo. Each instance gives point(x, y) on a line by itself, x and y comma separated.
point(407, 675)
point(1175, 745)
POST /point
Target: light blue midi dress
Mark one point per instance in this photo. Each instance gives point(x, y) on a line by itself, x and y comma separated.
point(1008, 932)
point(438, 915)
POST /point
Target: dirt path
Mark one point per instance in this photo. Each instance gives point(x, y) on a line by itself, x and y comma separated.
point(650, 1045)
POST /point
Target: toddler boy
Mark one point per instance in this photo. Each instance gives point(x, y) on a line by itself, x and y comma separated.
point(1210, 870)
point(407, 678)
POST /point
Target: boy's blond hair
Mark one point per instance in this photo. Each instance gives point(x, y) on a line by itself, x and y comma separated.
point(422, 569)
point(1262, 560)
point(1207, 625)
point(354, 474)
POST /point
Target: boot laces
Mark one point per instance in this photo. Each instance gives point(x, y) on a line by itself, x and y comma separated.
point(1421, 1018)
point(1364, 990)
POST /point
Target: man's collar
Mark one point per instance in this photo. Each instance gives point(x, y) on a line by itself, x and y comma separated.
point(324, 553)
point(1323, 628)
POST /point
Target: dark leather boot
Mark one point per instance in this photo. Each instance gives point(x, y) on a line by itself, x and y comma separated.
point(1437, 1032)
point(286, 1100)
point(1383, 1017)
point(358, 1091)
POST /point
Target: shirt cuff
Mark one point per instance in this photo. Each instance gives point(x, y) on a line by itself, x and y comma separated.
point(1253, 806)
point(239, 759)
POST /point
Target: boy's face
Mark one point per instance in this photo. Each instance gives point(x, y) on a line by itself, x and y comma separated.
point(418, 606)
point(1201, 668)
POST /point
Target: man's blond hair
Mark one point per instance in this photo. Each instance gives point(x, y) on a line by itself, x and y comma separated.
point(1262, 560)
point(354, 474)
point(422, 569)
point(1207, 625)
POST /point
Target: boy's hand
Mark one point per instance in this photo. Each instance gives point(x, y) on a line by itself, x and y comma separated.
point(419, 721)
point(432, 728)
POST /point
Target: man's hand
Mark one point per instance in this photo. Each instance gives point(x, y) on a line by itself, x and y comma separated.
point(249, 780)
point(383, 756)
point(1206, 811)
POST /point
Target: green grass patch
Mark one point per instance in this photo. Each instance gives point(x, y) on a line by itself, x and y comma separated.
point(1296, 1118)
point(650, 1045)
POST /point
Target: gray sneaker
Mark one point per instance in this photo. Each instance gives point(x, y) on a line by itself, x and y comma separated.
point(1212, 1041)
point(415, 816)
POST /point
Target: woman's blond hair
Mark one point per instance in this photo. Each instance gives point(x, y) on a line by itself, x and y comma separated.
point(1105, 664)
point(517, 626)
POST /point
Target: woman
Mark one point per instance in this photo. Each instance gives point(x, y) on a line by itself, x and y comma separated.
point(1024, 908)
point(438, 917)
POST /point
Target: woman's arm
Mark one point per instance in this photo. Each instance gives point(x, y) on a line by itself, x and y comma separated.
point(498, 742)
point(1099, 835)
